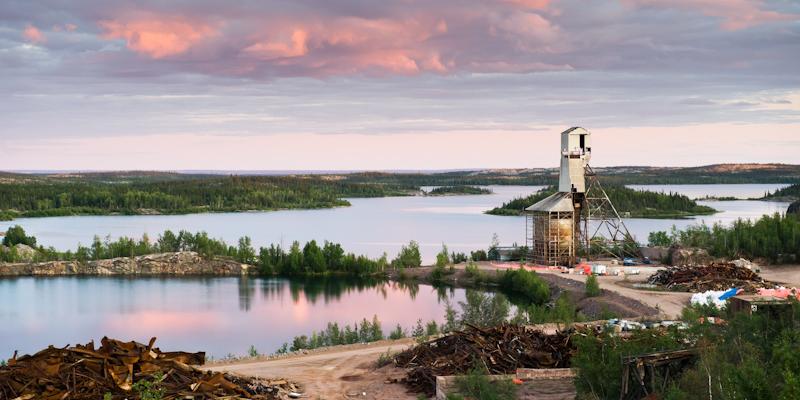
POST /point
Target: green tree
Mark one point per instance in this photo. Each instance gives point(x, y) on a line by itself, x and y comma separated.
point(245, 253)
point(659, 238)
point(16, 235)
point(483, 310)
point(408, 257)
point(295, 259)
point(443, 258)
point(314, 258)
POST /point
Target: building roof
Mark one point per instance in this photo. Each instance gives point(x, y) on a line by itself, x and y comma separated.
point(558, 202)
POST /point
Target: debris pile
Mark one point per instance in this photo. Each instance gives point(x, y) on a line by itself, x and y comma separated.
point(501, 349)
point(715, 276)
point(125, 370)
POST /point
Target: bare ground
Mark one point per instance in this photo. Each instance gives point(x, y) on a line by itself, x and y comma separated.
point(337, 373)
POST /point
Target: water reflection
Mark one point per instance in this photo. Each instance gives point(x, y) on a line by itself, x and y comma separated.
point(202, 313)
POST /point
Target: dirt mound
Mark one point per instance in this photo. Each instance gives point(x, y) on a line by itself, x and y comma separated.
point(125, 370)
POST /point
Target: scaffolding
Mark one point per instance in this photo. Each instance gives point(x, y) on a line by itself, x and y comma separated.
point(550, 230)
point(603, 232)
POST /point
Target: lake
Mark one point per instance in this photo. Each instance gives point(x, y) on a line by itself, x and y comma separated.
point(216, 315)
point(377, 225)
point(227, 315)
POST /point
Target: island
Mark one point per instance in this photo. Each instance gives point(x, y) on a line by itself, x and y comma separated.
point(457, 191)
point(629, 202)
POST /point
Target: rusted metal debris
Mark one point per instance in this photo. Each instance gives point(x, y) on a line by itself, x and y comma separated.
point(83, 372)
point(716, 276)
point(501, 349)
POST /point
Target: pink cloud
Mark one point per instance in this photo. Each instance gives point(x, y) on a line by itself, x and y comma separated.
point(158, 37)
point(351, 45)
point(294, 46)
point(33, 34)
point(530, 4)
point(735, 14)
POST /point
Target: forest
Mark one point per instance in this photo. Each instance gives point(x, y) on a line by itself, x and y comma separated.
point(457, 190)
point(772, 237)
point(310, 259)
point(57, 197)
point(625, 175)
point(789, 193)
point(628, 202)
point(153, 192)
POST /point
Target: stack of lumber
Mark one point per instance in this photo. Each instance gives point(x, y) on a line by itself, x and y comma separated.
point(715, 276)
point(125, 370)
point(500, 350)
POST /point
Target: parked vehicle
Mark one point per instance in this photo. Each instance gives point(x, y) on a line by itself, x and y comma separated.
point(629, 262)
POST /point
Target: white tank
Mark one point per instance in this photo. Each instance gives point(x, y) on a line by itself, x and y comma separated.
point(576, 151)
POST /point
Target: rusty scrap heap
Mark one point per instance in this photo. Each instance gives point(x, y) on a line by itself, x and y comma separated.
point(501, 349)
point(716, 276)
point(122, 370)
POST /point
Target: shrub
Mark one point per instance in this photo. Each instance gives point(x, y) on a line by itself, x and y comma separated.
point(592, 286)
point(397, 333)
point(525, 284)
point(385, 359)
point(16, 235)
point(478, 255)
point(483, 310)
point(477, 385)
point(408, 256)
point(443, 258)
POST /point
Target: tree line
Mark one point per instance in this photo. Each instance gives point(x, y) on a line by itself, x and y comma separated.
point(627, 201)
point(41, 198)
point(308, 259)
point(772, 237)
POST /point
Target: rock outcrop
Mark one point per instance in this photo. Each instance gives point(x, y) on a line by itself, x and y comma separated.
point(182, 263)
point(688, 256)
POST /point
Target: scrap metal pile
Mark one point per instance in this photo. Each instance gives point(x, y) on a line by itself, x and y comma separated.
point(716, 276)
point(125, 370)
point(500, 349)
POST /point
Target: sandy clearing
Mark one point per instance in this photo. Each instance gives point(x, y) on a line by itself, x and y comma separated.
point(333, 374)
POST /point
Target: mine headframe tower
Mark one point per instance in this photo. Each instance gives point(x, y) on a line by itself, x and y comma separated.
point(579, 219)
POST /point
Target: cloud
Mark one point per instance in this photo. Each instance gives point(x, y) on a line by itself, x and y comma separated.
point(33, 34)
point(157, 37)
point(735, 14)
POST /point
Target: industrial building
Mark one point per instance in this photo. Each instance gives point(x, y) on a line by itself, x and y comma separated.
point(558, 228)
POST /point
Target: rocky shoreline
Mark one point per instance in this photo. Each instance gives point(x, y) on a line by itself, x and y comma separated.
point(181, 263)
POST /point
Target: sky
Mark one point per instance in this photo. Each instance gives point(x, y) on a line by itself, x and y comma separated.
point(395, 84)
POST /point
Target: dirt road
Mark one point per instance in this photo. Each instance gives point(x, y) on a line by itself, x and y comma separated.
point(334, 374)
point(787, 275)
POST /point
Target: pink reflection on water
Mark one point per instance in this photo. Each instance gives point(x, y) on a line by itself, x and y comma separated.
point(149, 322)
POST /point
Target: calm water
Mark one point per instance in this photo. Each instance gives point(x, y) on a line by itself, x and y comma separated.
point(374, 226)
point(227, 315)
point(216, 315)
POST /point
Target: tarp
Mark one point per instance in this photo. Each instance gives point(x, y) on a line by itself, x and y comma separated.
point(717, 298)
point(781, 292)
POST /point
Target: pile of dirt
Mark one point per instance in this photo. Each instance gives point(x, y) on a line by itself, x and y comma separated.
point(598, 307)
point(715, 276)
point(125, 370)
point(501, 350)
